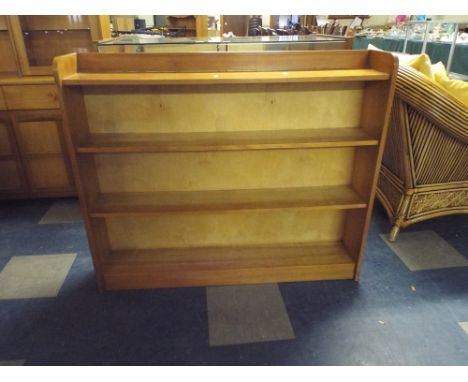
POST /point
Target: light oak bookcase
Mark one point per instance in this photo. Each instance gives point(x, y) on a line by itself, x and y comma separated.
point(226, 168)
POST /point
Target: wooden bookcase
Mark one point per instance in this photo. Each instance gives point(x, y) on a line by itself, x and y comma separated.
point(226, 168)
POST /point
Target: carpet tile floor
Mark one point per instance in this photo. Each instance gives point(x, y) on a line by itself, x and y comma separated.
point(410, 306)
point(246, 314)
point(34, 276)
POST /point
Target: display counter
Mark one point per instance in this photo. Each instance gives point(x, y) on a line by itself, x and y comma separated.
point(436, 50)
point(157, 43)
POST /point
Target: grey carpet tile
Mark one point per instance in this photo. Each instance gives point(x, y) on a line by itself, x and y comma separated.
point(34, 276)
point(247, 314)
point(464, 326)
point(63, 211)
point(12, 362)
point(424, 250)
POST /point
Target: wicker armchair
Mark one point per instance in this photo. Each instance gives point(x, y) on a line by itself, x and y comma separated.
point(424, 170)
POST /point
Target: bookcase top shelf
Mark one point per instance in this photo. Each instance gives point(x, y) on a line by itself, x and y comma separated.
point(225, 77)
point(225, 68)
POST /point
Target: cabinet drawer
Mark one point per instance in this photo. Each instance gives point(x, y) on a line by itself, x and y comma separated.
point(10, 179)
point(2, 100)
point(3, 23)
point(23, 97)
point(5, 144)
point(48, 173)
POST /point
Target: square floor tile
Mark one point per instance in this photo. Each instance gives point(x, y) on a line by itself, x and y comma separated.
point(34, 276)
point(12, 362)
point(464, 326)
point(423, 250)
point(247, 314)
point(63, 211)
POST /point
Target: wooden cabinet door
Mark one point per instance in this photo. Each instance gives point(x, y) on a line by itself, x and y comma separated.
point(237, 24)
point(41, 145)
point(8, 63)
point(3, 105)
point(11, 171)
point(40, 38)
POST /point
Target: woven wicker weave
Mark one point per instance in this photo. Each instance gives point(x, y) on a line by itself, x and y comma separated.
point(425, 165)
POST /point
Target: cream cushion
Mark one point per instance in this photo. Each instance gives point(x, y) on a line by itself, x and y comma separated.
point(403, 58)
point(422, 63)
point(437, 73)
point(457, 88)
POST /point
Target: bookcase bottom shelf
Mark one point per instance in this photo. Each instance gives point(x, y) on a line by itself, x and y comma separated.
point(182, 267)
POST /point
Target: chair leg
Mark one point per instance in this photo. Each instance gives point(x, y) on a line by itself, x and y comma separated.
point(394, 233)
point(398, 222)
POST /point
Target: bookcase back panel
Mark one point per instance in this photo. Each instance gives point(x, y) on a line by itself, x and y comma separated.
point(224, 170)
point(147, 109)
point(225, 228)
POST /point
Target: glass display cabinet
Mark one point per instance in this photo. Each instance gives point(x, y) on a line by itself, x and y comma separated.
point(33, 158)
point(441, 41)
point(38, 39)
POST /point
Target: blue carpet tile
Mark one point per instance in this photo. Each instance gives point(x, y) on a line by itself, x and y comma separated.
point(392, 316)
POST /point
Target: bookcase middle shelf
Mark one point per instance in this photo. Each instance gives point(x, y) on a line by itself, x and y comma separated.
point(226, 140)
point(150, 203)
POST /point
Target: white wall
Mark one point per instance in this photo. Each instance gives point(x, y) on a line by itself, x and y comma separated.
point(463, 18)
point(380, 20)
point(373, 20)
